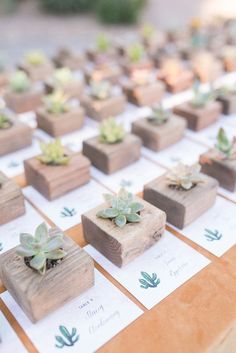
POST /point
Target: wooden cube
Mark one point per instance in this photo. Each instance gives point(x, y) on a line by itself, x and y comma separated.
point(122, 245)
point(106, 72)
point(103, 109)
point(181, 206)
point(228, 104)
point(14, 138)
point(73, 89)
point(39, 295)
point(70, 59)
point(129, 67)
point(180, 83)
point(112, 157)
point(158, 137)
point(199, 118)
point(145, 94)
point(38, 72)
point(24, 101)
point(60, 124)
point(4, 79)
point(55, 181)
point(11, 200)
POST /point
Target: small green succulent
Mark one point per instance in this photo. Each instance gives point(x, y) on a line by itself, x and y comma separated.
point(135, 52)
point(122, 208)
point(102, 43)
point(111, 132)
point(41, 247)
point(147, 31)
point(201, 99)
point(100, 90)
point(62, 77)
point(224, 145)
point(19, 82)
point(56, 103)
point(159, 115)
point(53, 154)
point(5, 123)
point(35, 58)
point(184, 177)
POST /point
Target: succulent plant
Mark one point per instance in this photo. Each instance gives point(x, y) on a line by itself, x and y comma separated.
point(102, 43)
point(136, 52)
point(147, 31)
point(201, 99)
point(42, 250)
point(100, 90)
point(35, 58)
point(159, 115)
point(5, 123)
point(19, 82)
point(122, 209)
point(111, 132)
point(62, 77)
point(184, 177)
point(53, 154)
point(225, 146)
point(56, 103)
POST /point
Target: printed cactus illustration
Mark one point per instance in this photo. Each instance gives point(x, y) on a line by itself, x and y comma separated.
point(123, 209)
point(159, 115)
point(201, 99)
point(57, 103)
point(184, 177)
point(136, 52)
point(19, 82)
point(111, 132)
point(66, 339)
point(212, 235)
point(35, 58)
point(53, 154)
point(149, 281)
point(62, 77)
point(68, 212)
point(100, 90)
point(102, 43)
point(5, 123)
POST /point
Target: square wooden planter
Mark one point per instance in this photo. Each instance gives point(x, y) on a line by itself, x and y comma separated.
point(11, 200)
point(38, 73)
point(103, 109)
point(60, 124)
point(129, 67)
point(14, 138)
point(178, 84)
point(122, 245)
point(228, 104)
point(74, 89)
point(55, 181)
point(144, 95)
point(23, 102)
point(158, 137)
point(181, 206)
point(199, 118)
point(4, 79)
point(106, 72)
point(70, 59)
point(39, 295)
point(112, 157)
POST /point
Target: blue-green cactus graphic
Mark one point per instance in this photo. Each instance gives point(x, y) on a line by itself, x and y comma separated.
point(212, 235)
point(68, 212)
point(67, 339)
point(149, 281)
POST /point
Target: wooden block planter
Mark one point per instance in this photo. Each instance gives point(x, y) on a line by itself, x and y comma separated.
point(107, 72)
point(199, 118)
point(180, 83)
point(4, 79)
point(73, 89)
point(11, 200)
point(144, 94)
point(60, 124)
point(158, 137)
point(39, 295)
point(228, 104)
point(14, 138)
point(67, 58)
point(55, 181)
point(129, 67)
point(181, 206)
point(23, 102)
point(122, 245)
point(103, 109)
point(112, 157)
point(38, 72)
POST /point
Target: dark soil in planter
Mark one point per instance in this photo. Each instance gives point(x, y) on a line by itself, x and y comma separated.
point(49, 263)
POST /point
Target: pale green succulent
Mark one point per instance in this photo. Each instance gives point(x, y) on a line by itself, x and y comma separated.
point(136, 52)
point(147, 31)
point(62, 77)
point(5, 123)
point(19, 82)
point(159, 115)
point(111, 132)
point(56, 103)
point(41, 248)
point(102, 43)
point(100, 90)
point(224, 145)
point(184, 177)
point(122, 208)
point(201, 99)
point(53, 154)
point(35, 58)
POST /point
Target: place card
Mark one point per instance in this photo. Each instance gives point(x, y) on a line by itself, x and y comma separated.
point(228, 194)
point(158, 272)
point(84, 324)
point(9, 341)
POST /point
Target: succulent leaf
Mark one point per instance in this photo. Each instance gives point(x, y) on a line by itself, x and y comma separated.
point(53, 154)
point(224, 144)
point(159, 115)
point(5, 123)
point(19, 82)
point(201, 99)
point(35, 58)
point(103, 43)
point(136, 52)
point(38, 262)
point(62, 76)
point(25, 251)
point(133, 217)
point(184, 177)
point(56, 254)
point(120, 221)
point(53, 243)
point(27, 240)
point(100, 90)
point(41, 233)
point(111, 132)
point(57, 103)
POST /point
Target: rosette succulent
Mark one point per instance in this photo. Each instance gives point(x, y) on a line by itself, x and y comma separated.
point(42, 250)
point(102, 43)
point(159, 115)
point(56, 103)
point(184, 177)
point(19, 82)
point(53, 154)
point(122, 209)
point(111, 131)
point(201, 99)
point(62, 77)
point(35, 58)
point(136, 52)
point(147, 31)
point(5, 123)
point(100, 90)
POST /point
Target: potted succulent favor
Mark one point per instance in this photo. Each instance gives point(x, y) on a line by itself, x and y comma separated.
point(64, 80)
point(142, 88)
point(183, 193)
point(11, 200)
point(21, 95)
point(206, 67)
point(58, 116)
point(152, 40)
point(14, 135)
point(103, 101)
point(136, 58)
point(228, 56)
point(47, 270)
point(37, 66)
point(123, 227)
point(226, 95)
point(160, 129)
point(201, 111)
point(113, 149)
point(57, 170)
point(220, 161)
point(102, 51)
point(68, 58)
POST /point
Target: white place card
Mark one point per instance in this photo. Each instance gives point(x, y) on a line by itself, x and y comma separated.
point(84, 324)
point(9, 341)
point(228, 194)
point(28, 118)
point(158, 272)
point(132, 177)
point(66, 211)
point(185, 151)
point(215, 229)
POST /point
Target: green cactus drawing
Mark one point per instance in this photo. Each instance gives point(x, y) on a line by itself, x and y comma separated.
point(149, 281)
point(212, 235)
point(68, 212)
point(67, 339)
